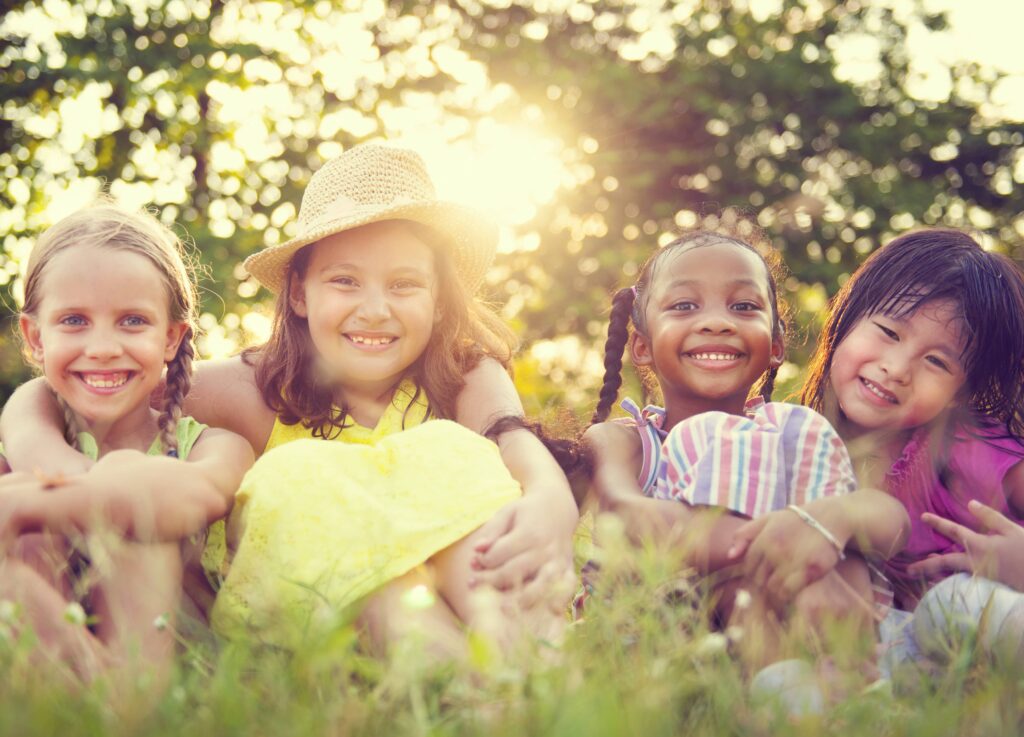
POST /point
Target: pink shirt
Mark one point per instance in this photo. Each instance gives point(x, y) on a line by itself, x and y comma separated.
point(975, 470)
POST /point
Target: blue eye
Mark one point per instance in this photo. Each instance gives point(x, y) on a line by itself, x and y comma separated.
point(405, 285)
point(135, 321)
point(74, 321)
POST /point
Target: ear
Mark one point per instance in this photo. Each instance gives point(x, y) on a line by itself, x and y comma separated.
point(175, 333)
point(640, 349)
point(778, 352)
point(32, 334)
point(297, 296)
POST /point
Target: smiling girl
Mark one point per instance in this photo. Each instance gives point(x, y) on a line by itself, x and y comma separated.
point(109, 304)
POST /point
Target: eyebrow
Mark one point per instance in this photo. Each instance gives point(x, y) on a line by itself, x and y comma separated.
point(356, 267)
point(734, 283)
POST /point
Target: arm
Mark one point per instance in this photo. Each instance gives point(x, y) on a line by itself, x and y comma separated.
point(996, 553)
point(224, 394)
point(783, 554)
point(147, 498)
point(32, 428)
point(538, 527)
point(702, 534)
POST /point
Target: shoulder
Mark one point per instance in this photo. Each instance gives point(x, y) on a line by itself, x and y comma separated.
point(612, 442)
point(224, 394)
point(223, 445)
point(488, 395)
point(987, 447)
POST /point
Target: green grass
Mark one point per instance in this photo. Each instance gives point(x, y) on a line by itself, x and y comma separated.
point(636, 666)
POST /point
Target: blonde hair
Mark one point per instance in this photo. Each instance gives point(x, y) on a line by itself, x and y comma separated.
point(105, 224)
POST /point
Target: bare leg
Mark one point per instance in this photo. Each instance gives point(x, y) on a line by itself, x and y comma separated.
point(504, 616)
point(61, 641)
point(400, 610)
point(139, 584)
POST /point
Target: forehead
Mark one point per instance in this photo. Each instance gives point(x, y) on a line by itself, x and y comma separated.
point(88, 273)
point(390, 243)
point(720, 263)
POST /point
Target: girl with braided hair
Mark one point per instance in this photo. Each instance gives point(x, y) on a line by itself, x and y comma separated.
point(703, 320)
point(109, 303)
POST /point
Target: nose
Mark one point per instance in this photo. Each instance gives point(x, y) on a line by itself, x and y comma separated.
point(715, 321)
point(103, 344)
point(896, 365)
point(374, 306)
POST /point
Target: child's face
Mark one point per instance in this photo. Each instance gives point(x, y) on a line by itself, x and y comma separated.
point(102, 332)
point(370, 298)
point(899, 373)
point(709, 327)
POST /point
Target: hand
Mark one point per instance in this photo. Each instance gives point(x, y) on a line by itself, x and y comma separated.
point(782, 554)
point(646, 519)
point(997, 553)
point(520, 539)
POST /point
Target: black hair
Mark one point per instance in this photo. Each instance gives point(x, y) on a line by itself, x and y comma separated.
point(629, 308)
point(941, 264)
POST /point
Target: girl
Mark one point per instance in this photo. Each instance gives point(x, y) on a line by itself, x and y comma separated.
point(706, 323)
point(921, 364)
point(102, 344)
point(375, 332)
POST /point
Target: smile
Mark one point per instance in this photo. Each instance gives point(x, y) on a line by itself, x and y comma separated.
point(372, 341)
point(714, 356)
point(105, 380)
point(879, 391)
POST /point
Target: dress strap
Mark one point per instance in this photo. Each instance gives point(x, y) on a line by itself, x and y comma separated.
point(648, 423)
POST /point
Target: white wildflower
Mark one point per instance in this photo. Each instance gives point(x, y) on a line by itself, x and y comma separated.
point(743, 600)
point(418, 597)
point(161, 622)
point(710, 645)
point(74, 613)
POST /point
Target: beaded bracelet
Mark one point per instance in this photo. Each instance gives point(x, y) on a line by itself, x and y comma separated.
point(806, 517)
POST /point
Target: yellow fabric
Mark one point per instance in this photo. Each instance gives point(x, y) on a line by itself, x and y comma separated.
point(326, 523)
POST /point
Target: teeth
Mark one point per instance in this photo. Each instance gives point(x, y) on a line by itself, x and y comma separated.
point(371, 341)
point(98, 382)
point(877, 391)
point(715, 356)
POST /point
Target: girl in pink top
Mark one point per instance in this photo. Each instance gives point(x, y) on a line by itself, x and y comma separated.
point(920, 367)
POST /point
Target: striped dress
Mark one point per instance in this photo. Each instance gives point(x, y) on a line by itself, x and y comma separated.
point(775, 455)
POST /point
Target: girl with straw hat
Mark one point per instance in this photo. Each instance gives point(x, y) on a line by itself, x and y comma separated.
point(379, 346)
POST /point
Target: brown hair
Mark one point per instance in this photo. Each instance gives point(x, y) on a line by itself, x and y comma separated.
point(110, 226)
point(466, 332)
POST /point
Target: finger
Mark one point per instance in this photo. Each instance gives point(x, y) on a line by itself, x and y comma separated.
point(493, 529)
point(991, 520)
point(783, 586)
point(950, 529)
point(744, 536)
point(553, 587)
point(510, 574)
point(936, 565)
point(514, 542)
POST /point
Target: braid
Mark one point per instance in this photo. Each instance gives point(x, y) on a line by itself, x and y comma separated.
point(618, 334)
point(179, 380)
point(768, 384)
point(70, 422)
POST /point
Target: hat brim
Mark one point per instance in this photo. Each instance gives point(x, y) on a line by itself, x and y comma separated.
point(472, 239)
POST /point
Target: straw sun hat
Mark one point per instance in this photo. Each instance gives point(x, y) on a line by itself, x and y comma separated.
point(367, 184)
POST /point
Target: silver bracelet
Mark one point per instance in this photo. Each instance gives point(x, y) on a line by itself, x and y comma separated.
point(806, 517)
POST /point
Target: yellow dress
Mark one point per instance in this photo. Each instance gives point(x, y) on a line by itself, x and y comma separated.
point(327, 522)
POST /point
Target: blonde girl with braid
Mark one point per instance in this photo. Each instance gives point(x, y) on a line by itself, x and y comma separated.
point(110, 303)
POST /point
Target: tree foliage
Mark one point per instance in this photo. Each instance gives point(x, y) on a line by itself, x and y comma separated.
point(217, 112)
